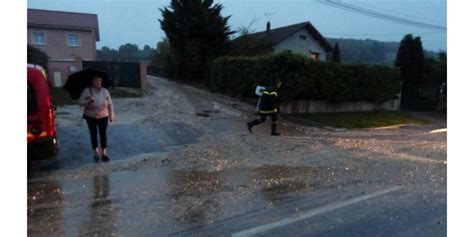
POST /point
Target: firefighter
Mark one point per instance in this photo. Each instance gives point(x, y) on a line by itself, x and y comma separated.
point(268, 107)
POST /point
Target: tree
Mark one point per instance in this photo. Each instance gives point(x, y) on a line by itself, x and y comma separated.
point(442, 57)
point(164, 61)
point(197, 33)
point(377, 51)
point(108, 54)
point(336, 54)
point(245, 30)
point(36, 56)
point(410, 61)
point(147, 54)
point(128, 52)
point(437, 78)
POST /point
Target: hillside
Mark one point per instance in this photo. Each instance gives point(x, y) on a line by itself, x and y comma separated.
point(369, 51)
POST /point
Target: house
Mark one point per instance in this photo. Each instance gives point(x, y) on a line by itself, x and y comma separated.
point(302, 38)
point(67, 38)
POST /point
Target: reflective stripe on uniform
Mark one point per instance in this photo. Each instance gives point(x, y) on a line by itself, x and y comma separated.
point(270, 93)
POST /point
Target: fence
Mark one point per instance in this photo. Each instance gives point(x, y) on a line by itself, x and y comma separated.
point(302, 107)
point(122, 74)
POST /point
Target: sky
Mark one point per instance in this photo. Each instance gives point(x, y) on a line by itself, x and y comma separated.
point(136, 22)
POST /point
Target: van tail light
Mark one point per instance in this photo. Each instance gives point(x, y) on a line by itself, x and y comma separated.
point(50, 116)
point(31, 137)
point(47, 130)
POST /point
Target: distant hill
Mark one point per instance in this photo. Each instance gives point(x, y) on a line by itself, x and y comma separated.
point(369, 51)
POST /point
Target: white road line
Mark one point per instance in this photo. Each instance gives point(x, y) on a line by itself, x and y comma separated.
point(314, 212)
point(440, 130)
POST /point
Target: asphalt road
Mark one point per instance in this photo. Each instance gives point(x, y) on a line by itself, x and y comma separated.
point(213, 178)
point(237, 202)
point(127, 140)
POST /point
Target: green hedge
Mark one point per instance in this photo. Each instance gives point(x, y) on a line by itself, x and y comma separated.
point(304, 79)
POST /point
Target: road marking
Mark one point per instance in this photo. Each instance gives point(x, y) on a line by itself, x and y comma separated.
point(440, 130)
point(311, 213)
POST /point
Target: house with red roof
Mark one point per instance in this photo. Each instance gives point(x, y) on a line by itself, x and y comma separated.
point(67, 37)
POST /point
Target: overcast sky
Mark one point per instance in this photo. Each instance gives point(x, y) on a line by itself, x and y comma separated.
point(127, 21)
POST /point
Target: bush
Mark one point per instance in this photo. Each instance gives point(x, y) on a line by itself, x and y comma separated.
point(36, 56)
point(304, 79)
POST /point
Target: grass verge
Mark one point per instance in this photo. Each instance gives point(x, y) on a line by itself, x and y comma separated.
point(351, 120)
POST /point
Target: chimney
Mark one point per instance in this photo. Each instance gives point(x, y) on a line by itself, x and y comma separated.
point(268, 26)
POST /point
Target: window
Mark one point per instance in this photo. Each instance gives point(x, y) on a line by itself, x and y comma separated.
point(38, 38)
point(314, 56)
point(73, 40)
point(72, 68)
point(302, 37)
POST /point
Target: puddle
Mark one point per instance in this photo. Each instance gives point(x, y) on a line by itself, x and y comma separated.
point(207, 113)
point(211, 111)
point(202, 115)
point(159, 200)
point(124, 141)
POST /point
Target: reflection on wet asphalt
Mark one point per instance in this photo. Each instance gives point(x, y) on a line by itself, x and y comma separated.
point(102, 209)
point(154, 198)
point(193, 203)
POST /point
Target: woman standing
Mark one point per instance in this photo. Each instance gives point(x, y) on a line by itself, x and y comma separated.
point(98, 111)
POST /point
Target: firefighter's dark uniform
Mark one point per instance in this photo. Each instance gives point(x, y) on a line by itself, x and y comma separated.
point(268, 107)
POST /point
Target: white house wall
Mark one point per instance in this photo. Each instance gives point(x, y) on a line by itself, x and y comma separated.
point(295, 45)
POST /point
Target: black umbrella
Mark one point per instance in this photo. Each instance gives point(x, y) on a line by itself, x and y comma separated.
point(77, 82)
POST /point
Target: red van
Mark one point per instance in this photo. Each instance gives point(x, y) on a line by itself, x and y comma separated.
point(41, 134)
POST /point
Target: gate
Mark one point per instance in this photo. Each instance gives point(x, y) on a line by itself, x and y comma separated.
point(122, 74)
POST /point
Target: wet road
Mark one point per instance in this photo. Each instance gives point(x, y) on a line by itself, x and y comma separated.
point(268, 201)
point(207, 176)
point(275, 200)
point(126, 139)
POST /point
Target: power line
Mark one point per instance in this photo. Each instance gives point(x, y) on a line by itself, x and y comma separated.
point(383, 16)
point(379, 15)
point(366, 4)
point(365, 11)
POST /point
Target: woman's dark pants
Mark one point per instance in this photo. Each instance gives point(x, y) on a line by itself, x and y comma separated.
point(102, 123)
